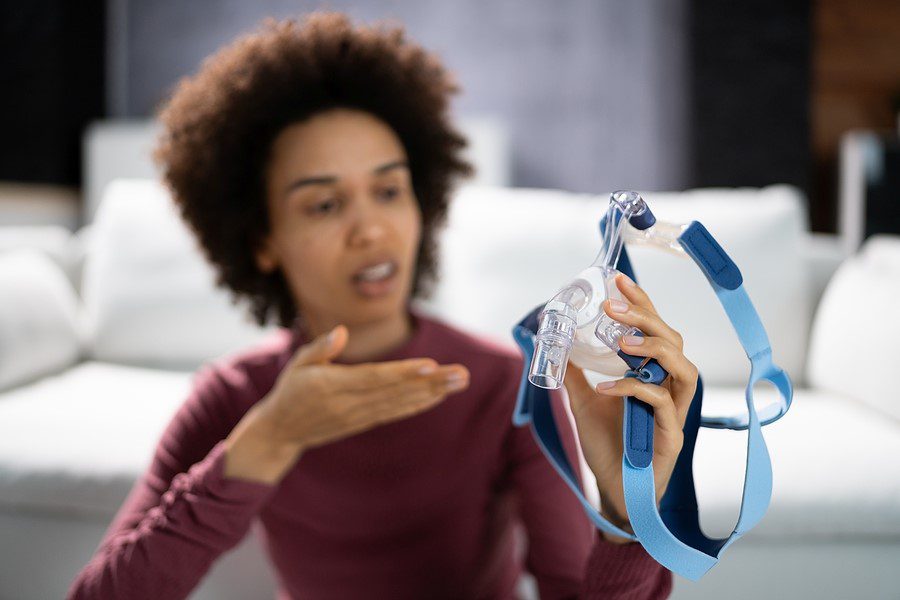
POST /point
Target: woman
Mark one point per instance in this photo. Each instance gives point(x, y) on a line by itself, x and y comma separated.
point(314, 162)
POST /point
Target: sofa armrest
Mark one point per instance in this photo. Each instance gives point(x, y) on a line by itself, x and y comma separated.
point(853, 349)
point(823, 254)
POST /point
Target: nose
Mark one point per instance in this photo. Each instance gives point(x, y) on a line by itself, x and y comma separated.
point(368, 224)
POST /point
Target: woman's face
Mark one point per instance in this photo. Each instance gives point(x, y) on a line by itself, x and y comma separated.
point(345, 223)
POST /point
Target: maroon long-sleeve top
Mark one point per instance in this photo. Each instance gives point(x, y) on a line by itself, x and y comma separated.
point(421, 508)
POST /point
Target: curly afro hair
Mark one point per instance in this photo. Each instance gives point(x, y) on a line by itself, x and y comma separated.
point(219, 125)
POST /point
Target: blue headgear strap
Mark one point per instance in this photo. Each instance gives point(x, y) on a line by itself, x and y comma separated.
point(672, 533)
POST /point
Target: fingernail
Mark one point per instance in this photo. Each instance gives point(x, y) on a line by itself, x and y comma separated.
point(456, 384)
point(605, 385)
point(330, 337)
point(455, 376)
point(627, 280)
point(618, 306)
point(633, 340)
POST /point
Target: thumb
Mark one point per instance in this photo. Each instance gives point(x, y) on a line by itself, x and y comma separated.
point(577, 386)
point(324, 348)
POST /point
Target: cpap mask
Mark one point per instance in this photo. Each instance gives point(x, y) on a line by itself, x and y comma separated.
point(572, 327)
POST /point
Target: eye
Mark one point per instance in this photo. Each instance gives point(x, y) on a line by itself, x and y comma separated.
point(324, 207)
point(389, 193)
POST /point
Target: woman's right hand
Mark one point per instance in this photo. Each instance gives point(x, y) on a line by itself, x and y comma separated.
point(314, 402)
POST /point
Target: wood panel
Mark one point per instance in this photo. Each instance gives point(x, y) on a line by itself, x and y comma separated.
point(856, 84)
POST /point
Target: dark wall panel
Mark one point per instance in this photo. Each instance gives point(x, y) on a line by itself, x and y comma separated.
point(750, 90)
point(51, 86)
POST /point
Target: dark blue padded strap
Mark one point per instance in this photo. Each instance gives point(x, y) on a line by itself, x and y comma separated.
point(639, 420)
point(533, 407)
point(712, 258)
point(638, 441)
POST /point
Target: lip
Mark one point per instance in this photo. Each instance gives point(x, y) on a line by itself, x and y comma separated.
point(374, 290)
point(371, 263)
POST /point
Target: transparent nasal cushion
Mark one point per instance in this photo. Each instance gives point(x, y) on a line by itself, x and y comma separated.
point(572, 325)
point(663, 236)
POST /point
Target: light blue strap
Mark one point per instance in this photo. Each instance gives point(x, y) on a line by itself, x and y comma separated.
point(672, 539)
point(672, 534)
point(664, 532)
point(727, 282)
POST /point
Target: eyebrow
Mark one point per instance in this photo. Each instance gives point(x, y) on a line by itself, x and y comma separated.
point(329, 179)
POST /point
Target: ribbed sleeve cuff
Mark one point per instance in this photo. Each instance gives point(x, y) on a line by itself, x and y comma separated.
point(624, 572)
point(203, 504)
point(209, 474)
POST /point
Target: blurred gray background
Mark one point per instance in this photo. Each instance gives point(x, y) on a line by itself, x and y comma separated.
point(594, 93)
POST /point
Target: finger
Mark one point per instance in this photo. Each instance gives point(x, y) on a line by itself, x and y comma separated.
point(447, 379)
point(324, 348)
point(656, 396)
point(403, 399)
point(682, 371)
point(366, 376)
point(634, 293)
point(671, 358)
point(411, 403)
point(648, 321)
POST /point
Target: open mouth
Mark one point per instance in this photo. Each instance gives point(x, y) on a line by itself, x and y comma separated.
point(376, 279)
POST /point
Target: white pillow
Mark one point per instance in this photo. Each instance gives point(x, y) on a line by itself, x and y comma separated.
point(39, 325)
point(853, 348)
point(149, 293)
point(55, 241)
point(507, 250)
point(763, 231)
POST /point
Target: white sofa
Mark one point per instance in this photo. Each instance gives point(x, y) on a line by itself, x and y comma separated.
point(97, 353)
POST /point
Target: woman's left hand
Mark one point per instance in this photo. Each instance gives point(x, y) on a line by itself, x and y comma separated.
point(598, 411)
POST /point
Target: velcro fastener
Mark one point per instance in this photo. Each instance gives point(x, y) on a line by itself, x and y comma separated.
point(638, 438)
point(697, 240)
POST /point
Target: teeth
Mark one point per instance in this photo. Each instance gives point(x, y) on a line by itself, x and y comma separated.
point(377, 272)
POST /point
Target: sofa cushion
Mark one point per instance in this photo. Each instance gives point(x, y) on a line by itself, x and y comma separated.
point(846, 355)
point(54, 241)
point(39, 321)
point(74, 443)
point(149, 294)
point(822, 486)
point(69, 445)
point(152, 301)
point(507, 250)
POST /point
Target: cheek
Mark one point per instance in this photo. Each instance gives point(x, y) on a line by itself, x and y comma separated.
point(413, 230)
point(310, 262)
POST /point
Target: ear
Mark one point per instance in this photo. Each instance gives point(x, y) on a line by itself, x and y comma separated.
point(266, 259)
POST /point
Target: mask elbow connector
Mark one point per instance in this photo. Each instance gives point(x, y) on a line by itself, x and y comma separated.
point(554, 339)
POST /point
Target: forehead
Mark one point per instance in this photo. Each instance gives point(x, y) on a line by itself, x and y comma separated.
point(340, 142)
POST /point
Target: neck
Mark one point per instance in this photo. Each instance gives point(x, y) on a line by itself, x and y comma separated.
point(366, 340)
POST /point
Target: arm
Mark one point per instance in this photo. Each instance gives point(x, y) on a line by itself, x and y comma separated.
point(183, 513)
point(201, 492)
point(565, 555)
point(625, 571)
point(559, 533)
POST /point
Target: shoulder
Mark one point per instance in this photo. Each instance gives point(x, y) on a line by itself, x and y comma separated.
point(225, 388)
point(245, 376)
point(221, 393)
